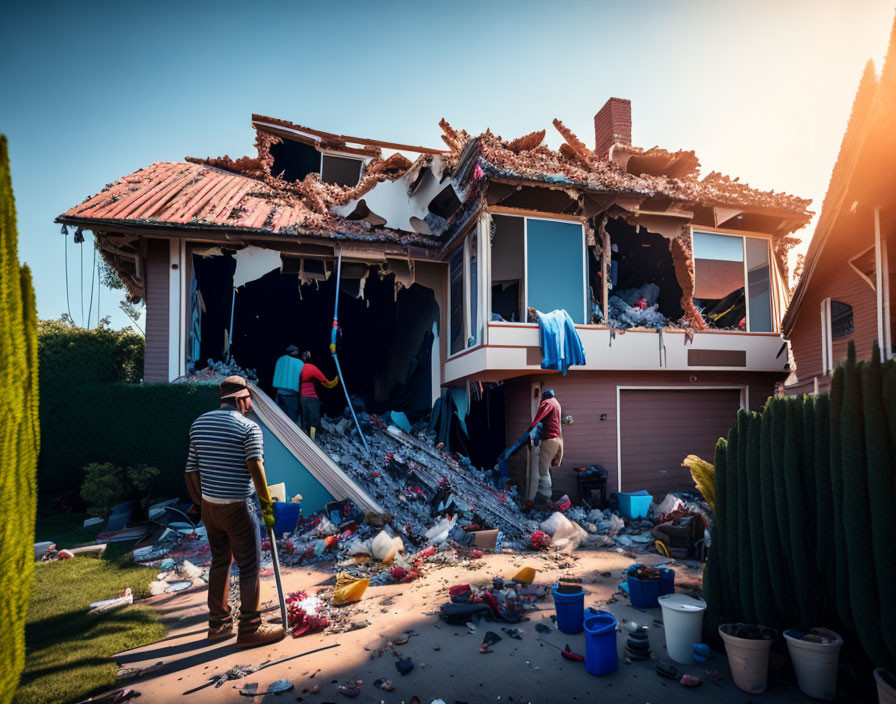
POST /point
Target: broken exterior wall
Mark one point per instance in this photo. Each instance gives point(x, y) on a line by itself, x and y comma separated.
point(682, 258)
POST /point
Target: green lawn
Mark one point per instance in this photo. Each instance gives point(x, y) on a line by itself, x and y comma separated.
point(68, 651)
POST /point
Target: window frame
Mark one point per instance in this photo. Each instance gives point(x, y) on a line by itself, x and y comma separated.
point(827, 332)
point(773, 289)
point(341, 155)
point(525, 273)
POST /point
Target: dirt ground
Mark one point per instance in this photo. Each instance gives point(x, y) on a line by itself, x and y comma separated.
point(447, 661)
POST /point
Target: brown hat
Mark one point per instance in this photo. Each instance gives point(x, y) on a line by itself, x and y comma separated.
point(234, 387)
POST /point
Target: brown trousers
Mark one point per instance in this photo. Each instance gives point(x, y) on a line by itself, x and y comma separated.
point(231, 532)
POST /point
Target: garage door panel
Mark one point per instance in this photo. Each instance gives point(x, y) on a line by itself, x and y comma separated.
point(659, 428)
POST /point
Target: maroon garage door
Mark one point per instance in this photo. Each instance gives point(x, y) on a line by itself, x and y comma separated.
point(659, 428)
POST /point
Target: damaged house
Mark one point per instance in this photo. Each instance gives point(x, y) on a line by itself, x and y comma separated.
point(675, 281)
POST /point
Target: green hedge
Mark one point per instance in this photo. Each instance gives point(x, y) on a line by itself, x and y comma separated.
point(71, 356)
point(827, 487)
point(125, 424)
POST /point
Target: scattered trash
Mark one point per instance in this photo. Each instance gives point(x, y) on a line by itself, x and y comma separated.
point(690, 680)
point(404, 665)
point(568, 654)
point(514, 633)
point(124, 599)
point(120, 695)
point(126, 674)
point(667, 669)
point(351, 689)
point(542, 628)
point(490, 639)
point(385, 685)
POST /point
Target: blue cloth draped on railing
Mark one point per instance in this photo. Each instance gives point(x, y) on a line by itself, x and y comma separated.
point(561, 346)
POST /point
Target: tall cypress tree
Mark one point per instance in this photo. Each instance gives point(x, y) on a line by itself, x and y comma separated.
point(716, 597)
point(762, 607)
point(781, 601)
point(732, 510)
point(880, 495)
point(18, 438)
point(807, 474)
point(744, 545)
point(796, 513)
point(778, 408)
point(824, 512)
point(838, 546)
point(863, 594)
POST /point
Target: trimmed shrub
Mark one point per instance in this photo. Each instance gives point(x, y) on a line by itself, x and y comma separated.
point(732, 523)
point(19, 437)
point(714, 582)
point(824, 524)
point(126, 425)
point(762, 610)
point(838, 547)
point(71, 358)
point(880, 491)
point(744, 547)
point(106, 485)
point(796, 514)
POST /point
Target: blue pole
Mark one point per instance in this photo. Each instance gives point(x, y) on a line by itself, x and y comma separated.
point(333, 333)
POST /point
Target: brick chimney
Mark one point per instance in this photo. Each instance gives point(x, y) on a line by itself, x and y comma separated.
point(613, 123)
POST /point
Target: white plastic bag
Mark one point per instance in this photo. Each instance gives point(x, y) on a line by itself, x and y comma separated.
point(439, 532)
point(384, 547)
point(565, 535)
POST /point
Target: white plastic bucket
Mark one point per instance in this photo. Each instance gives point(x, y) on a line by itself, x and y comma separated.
point(816, 663)
point(683, 624)
point(886, 686)
point(748, 660)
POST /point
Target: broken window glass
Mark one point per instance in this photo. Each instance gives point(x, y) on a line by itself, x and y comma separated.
point(723, 282)
point(759, 284)
point(719, 279)
point(456, 301)
point(555, 267)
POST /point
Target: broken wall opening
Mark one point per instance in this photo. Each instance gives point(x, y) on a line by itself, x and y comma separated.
point(387, 337)
point(294, 160)
point(645, 291)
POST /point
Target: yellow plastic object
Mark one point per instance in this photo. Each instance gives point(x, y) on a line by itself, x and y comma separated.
point(661, 548)
point(349, 589)
point(527, 575)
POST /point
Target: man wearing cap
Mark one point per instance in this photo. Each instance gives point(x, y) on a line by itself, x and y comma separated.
point(550, 452)
point(287, 372)
point(225, 460)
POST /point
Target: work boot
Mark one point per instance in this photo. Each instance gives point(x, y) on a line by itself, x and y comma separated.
point(264, 635)
point(225, 630)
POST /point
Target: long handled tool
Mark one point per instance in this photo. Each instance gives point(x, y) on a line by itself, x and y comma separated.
point(333, 335)
point(276, 558)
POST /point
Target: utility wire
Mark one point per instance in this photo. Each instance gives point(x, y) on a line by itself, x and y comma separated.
point(68, 304)
point(82, 283)
point(92, 277)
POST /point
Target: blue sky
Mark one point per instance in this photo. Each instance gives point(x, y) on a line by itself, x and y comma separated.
point(93, 91)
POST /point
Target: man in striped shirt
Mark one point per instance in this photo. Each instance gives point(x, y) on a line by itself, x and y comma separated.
point(226, 459)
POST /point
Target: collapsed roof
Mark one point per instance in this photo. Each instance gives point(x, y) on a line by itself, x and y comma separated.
point(412, 197)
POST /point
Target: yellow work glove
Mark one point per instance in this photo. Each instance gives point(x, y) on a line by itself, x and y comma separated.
point(267, 514)
point(330, 384)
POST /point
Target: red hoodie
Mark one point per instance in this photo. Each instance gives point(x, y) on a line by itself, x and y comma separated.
point(549, 412)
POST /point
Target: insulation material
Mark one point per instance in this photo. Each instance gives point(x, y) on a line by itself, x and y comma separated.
point(254, 262)
point(684, 274)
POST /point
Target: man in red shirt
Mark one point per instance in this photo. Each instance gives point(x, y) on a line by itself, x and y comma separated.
point(311, 405)
point(550, 452)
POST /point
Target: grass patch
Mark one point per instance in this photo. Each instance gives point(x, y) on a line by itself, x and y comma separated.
point(69, 651)
point(66, 530)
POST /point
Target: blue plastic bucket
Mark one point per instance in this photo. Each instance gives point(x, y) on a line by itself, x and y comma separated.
point(645, 593)
point(286, 517)
point(634, 504)
point(601, 657)
point(570, 610)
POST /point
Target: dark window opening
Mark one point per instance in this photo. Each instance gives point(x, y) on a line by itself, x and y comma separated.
point(842, 331)
point(341, 170)
point(445, 204)
point(386, 346)
point(645, 291)
point(456, 305)
point(294, 160)
point(507, 266)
